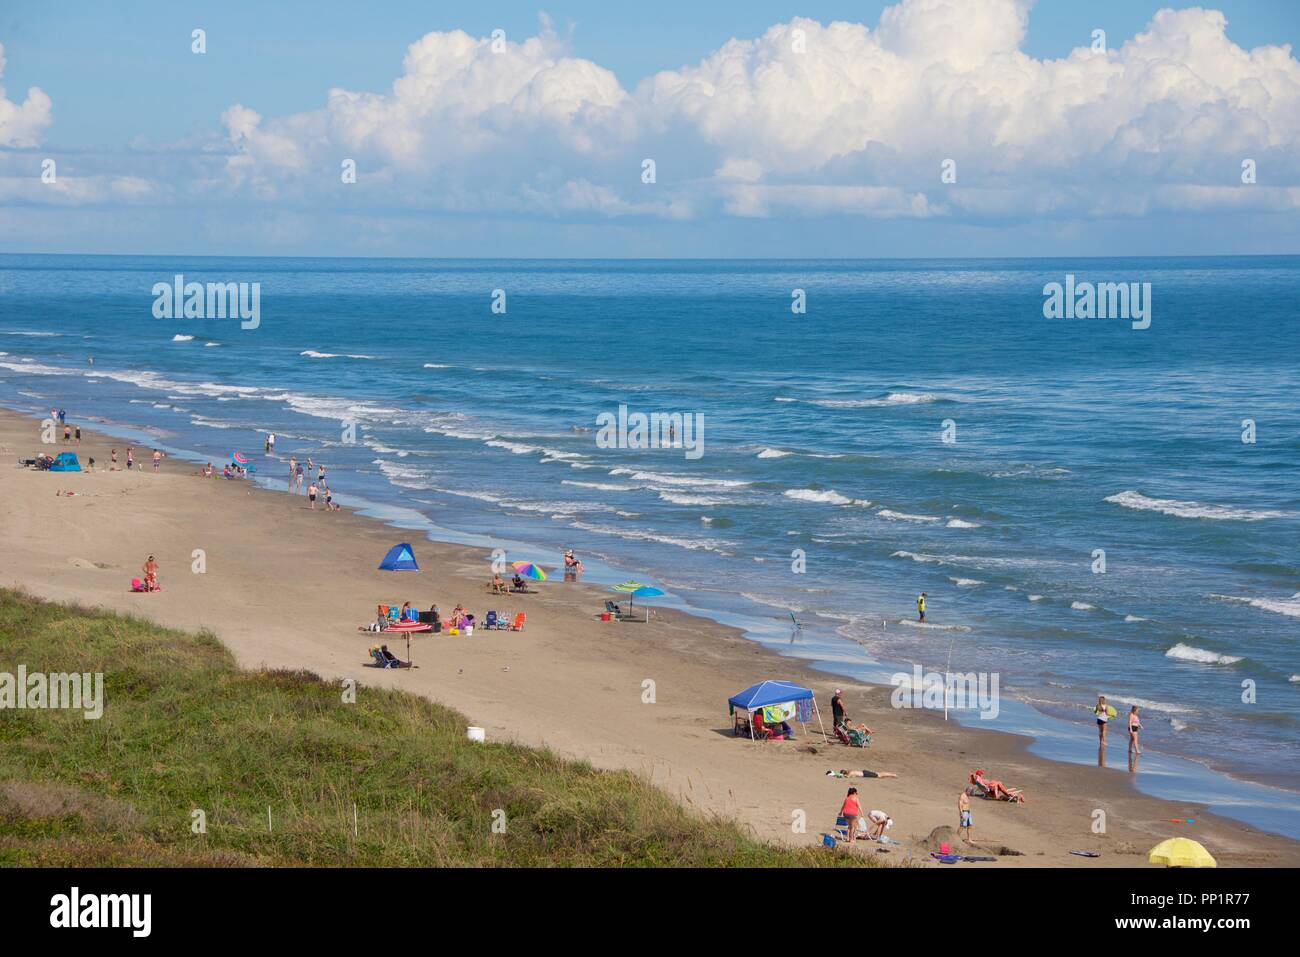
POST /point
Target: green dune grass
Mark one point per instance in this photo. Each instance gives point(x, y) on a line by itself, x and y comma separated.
point(183, 729)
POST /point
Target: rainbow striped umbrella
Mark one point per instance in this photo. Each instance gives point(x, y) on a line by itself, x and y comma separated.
point(239, 457)
point(529, 570)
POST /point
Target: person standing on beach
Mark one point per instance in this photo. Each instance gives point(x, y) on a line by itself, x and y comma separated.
point(963, 815)
point(298, 479)
point(838, 715)
point(67, 434)
point(157, 460)
point(851, 810)
point(1102, 713)
point(920, 606)
point(130, 457)
point(113, 467)
point(1134, 726)
point(311, 495)
point(293, 468)
point(78, 435)
point(150, 570)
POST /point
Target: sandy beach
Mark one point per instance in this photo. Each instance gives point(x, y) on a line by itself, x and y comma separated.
point(286, 587)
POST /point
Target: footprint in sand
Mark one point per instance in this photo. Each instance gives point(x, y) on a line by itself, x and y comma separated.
point(83, 563)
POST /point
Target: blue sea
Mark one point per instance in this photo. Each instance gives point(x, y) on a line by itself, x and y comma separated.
point(922, 427)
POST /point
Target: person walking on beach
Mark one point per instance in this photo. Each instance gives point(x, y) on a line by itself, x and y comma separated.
point(78, 435)
point(1134, 726)
point(963, 815)
point(311, 495)
point(113, 466)
point(67, 434)
point(157, 460)
point(130, 457)
point(838, 714)
point(298, 479)
point(1103, 713)
point(920, 606)
point(293, 469)
point(851, 810)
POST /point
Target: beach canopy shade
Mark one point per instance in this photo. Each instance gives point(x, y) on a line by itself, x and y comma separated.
point(628, 586)
point(400, 558)
point(769, 692)
point(1181, 852)
point(648, 591)
point(529, 570)
point(239, 458)
point(65, 462)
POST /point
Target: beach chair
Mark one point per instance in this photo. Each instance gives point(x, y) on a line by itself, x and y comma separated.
point(615, 609)
point(518, 623)
point(842, 829)
point(495, 622)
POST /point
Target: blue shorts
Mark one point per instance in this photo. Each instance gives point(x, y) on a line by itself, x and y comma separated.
point(965, 818)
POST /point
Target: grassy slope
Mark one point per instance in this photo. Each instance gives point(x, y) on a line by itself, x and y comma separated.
point(184, 729)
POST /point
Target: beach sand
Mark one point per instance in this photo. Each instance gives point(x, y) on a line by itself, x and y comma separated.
point(285, 587)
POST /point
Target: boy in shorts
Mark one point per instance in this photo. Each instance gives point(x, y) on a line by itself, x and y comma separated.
point(963, 815)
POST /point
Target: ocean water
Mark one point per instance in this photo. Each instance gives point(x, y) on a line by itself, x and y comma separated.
point(825, 488)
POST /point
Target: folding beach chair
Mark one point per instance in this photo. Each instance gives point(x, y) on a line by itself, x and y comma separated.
point(518, 623)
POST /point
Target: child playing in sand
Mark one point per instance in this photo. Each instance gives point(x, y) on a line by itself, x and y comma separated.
point(963, 815)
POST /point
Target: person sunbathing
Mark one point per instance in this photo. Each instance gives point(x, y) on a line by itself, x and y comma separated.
point(864, 773)
point(996, 789)
point(498, 586)
point(518, 584)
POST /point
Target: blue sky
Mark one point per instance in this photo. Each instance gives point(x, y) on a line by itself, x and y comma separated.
point(833, 150)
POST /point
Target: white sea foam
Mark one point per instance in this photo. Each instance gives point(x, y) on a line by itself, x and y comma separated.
point(1146, 705)
point(773, 454)
point(1130, 619)
point(684, 498)
point(664, 478)
point(771, 602)
point(965, 582)
point(436, 365)
point(313, 354)
point(637, 534)
point(1169, 506)
point(927, 559)
point(931, 626)
point(405, 476)
point(211, 345)
point(180, 338)
point(893, 398)
point(1184, 652)
point(893, 516)
point(823, 496)
point(961, 523)
point(1082, 606)
point(1281, 606)
point(601, 486)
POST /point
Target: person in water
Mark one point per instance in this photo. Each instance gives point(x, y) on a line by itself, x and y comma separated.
point(920, 606)
point(1102, 714)
point(1134, 726)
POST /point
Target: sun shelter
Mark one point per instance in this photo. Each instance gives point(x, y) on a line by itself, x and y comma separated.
point(65, 462)
point(778, 701)
point(400, 558)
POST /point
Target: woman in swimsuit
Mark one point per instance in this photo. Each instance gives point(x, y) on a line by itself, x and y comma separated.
point(1102, 714)
point(1134, 726)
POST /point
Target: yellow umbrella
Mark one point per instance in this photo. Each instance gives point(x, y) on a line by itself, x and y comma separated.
point(1181, 852)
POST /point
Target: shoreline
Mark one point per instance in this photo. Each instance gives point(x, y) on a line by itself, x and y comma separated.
point(589, 705)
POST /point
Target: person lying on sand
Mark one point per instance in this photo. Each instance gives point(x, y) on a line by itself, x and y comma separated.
point(864, 773)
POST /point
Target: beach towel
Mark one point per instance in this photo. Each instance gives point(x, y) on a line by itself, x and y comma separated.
point(946, 858)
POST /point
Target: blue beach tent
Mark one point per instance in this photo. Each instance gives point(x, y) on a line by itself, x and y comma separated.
point(65, 462)
point(772, 692)
point(400, 558)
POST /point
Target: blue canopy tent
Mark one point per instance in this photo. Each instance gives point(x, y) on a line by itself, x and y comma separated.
point(400, 558)
point(65, 462)
point(773, 693)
